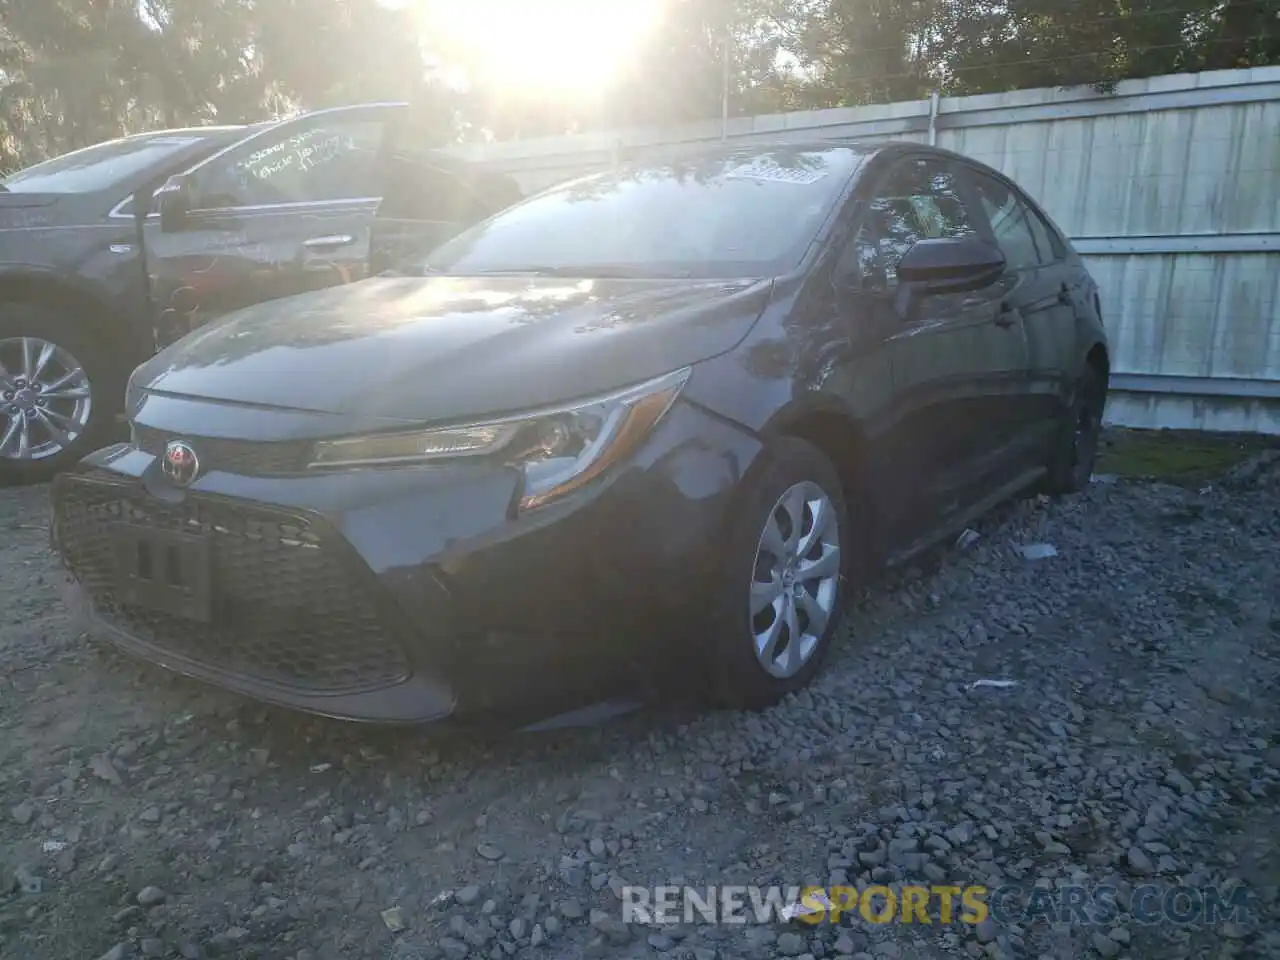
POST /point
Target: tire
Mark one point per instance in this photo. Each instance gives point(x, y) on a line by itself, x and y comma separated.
point(83, 412)
point(1076, 448)
point(738, 675)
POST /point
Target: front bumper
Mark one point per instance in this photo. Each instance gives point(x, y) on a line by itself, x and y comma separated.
point(299, 622)
point(411, 595)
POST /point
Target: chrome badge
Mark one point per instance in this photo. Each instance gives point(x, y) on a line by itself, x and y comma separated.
point(180, 464)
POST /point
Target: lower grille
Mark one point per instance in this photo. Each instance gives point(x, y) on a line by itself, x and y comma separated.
point(286, 610)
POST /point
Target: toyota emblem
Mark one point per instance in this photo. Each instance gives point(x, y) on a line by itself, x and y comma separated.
point(181, 465)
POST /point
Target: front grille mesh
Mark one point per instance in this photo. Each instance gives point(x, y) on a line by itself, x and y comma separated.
point(234, 456)
point(286, 610)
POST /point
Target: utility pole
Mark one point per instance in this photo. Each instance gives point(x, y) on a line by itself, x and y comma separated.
point(724, 80)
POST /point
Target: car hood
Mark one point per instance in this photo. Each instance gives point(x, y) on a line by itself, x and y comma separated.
point(445, 349)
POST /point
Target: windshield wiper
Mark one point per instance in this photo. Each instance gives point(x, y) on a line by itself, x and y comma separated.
point(592, 271)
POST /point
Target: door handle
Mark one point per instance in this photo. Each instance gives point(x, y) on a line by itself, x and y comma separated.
point(330, 240)
point(1006, 316)
point(1064, 294)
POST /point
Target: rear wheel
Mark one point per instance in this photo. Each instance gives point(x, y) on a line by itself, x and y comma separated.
point(57, 397)
point(1076, 450)
point(779, 599)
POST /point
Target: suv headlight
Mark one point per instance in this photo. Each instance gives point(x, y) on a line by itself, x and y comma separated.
point(557, 450)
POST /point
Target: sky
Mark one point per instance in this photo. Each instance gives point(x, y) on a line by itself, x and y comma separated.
point(560, 46)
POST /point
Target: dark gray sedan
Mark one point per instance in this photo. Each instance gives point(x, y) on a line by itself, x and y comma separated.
point(667, 414)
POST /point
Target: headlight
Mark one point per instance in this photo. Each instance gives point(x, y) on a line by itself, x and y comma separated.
point(557, 450)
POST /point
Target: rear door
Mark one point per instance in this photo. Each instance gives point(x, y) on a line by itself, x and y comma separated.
point(1038, 282)
point(286, 210)
point(958, 367)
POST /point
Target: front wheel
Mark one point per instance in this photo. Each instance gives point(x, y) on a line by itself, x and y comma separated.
point(54, 395)
point(779, 601)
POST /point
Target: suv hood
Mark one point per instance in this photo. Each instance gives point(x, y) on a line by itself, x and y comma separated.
point(18, 200)
point(447, 349)
point(25, 210)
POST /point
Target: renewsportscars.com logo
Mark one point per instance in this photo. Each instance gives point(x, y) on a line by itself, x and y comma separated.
point(941, 904)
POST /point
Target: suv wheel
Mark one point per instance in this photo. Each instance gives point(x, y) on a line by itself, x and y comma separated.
point(780, 597)
point(54, 393)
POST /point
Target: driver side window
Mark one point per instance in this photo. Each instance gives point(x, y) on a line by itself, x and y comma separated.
point(919, 199)
point(326, 161)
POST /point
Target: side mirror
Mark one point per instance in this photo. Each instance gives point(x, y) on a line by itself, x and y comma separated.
point(173, 201)
point(946, 265)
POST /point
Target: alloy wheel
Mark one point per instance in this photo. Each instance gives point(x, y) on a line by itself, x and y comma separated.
point(796, 579)
point(45, 399)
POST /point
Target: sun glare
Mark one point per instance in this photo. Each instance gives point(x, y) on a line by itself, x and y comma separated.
point(561, 46)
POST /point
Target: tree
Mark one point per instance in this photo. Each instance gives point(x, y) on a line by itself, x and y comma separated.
point(861, 51)
point(74, 72)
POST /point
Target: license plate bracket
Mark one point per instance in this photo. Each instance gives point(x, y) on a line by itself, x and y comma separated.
point(165, 571)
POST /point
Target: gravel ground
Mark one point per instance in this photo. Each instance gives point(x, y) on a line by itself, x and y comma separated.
point(143, 815)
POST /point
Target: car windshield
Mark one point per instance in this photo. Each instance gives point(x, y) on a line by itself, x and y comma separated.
point(99, 167)
point(745, 214)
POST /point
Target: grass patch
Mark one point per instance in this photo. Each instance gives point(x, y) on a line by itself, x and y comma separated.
point(1177, 456)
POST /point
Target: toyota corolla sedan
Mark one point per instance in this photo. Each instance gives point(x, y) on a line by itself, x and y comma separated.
point(669, 414)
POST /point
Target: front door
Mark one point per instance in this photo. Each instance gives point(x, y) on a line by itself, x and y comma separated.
point(958, 365)
point(284, 211)
point(1038, 287)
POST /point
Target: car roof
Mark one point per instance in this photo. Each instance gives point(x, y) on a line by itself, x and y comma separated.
point(730, 149)
point(865, 148)
point(225, 130)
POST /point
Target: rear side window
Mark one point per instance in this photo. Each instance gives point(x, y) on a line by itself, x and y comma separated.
point(920, 199)
point(1047, 239)
point(1012, 223)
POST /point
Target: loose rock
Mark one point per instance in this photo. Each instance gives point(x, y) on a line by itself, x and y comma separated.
point(1139, 862)
point(489, 851)
point(151, 897)
point(22, 813)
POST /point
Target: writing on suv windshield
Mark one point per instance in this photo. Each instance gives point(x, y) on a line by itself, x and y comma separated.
point(752, 215)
